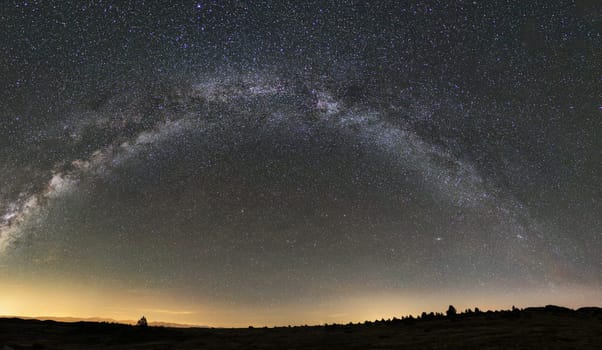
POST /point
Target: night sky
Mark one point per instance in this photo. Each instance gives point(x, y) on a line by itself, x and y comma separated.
point(231, 163)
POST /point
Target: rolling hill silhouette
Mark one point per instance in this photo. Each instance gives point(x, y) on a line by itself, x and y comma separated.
point(550, 327)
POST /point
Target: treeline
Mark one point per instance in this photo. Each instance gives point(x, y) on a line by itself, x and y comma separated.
point(453, 314)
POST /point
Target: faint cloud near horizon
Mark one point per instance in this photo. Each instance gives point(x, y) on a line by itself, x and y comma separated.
point(170, 312)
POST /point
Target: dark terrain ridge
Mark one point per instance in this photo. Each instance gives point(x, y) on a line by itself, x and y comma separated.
point(549, 327)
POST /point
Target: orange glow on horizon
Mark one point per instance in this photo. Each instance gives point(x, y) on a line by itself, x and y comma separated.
point(45, 299)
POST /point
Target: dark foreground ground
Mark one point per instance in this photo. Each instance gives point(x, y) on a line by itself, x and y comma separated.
point(532, 328)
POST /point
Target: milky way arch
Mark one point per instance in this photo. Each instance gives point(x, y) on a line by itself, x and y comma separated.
point(329, 175)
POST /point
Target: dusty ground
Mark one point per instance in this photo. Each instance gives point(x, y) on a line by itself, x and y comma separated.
point(541, 328)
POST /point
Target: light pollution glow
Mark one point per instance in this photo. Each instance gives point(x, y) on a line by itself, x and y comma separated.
point(60, 299)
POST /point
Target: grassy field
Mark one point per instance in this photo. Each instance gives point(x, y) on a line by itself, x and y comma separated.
point(532, 328)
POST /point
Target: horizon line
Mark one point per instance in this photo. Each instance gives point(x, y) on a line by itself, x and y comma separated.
point(469, 311)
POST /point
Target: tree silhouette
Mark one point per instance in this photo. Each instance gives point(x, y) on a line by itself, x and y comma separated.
point(451, 311)
point(142, 322)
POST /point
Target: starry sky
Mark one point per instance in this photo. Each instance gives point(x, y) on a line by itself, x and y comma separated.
point(230, 163)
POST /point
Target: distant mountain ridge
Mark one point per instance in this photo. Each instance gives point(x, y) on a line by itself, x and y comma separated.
point(102, 319)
